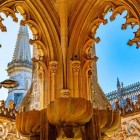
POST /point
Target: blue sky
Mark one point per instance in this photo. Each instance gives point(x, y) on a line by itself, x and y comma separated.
point(116, 58)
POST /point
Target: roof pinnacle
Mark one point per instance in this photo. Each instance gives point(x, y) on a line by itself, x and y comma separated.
point(118, 83)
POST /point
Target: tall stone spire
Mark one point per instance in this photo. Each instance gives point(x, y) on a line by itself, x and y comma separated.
point(22, 49)
point(20, 68)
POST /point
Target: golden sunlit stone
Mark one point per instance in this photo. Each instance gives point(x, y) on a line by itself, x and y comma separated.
point(28, 123)
point(64, 34)
point(69, 111)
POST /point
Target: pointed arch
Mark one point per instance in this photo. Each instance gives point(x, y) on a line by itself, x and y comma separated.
point(45, 27)
point(92, 16)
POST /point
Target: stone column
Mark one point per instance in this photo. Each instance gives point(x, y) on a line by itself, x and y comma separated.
point(88, 81)
point(76, 69)
point(41, 89)
point(53, 66)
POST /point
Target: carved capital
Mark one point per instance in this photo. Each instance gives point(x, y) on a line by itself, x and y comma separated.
point(53, 66)
point(76, 65)
point(65, 93)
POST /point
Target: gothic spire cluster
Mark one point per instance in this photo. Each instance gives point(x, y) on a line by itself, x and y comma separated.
point(122, 94)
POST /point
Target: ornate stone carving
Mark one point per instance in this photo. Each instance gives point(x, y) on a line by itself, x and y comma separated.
point(87, 54)
point(131, 19)
point(68, 123)
point(129, 129)
point(7, 123)
point(65, 93)
point(40, 49)
point(8, 12)
point(53, 66)
point(136, 39)
point(8, 113)
point(95, 25)
point(129, 108)
point(76, 65)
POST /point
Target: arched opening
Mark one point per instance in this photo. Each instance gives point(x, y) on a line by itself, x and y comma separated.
point(46, 45)
point(27, 73)
point(16, 59)
point(116, 57)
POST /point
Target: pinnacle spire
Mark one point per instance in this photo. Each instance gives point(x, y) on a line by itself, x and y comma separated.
point(22, 49)
point(118, 82)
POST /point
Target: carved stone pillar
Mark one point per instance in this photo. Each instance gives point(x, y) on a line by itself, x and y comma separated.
point(53, 67)
point(41, 89)
point(35, 95)
point(88, 79)
point(76, 69)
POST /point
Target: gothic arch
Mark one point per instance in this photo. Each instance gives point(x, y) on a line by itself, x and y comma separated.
point(44, 27)
point(84, 23)
point(89, 20)
point(45, 30)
